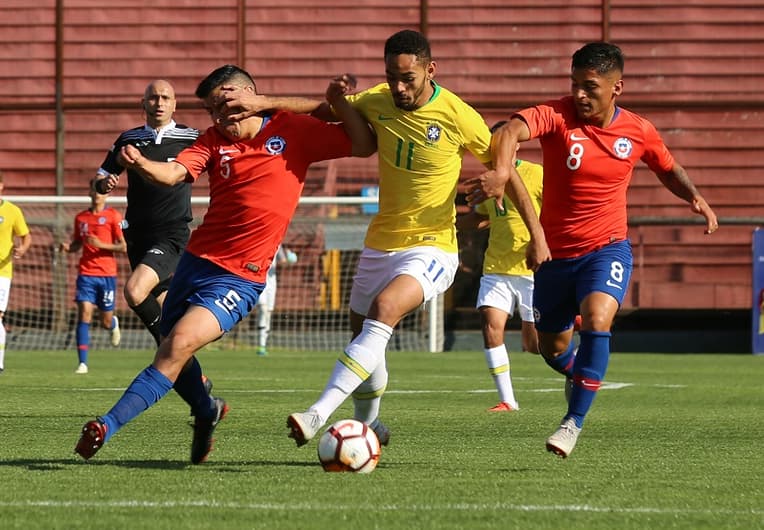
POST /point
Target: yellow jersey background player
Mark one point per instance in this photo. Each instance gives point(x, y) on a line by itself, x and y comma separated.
point(14, 242)
point(507, 282)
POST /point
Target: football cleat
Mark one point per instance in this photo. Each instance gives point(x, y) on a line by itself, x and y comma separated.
point(382, 432)
point(563, 441)
point(261, 351)
point(82, 368)
point(503, 407)
point(91, 439)
point(116, 334)
point(201, 444)
point(303, 426)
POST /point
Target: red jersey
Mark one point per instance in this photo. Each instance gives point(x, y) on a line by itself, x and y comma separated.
point(255, 186)
point(106, 225)
point(587, 170)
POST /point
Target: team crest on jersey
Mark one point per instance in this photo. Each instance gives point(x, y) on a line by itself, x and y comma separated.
point(2, 219)
point(623, 147)
point(275, 145)
point(102, 220)
point(433, 133)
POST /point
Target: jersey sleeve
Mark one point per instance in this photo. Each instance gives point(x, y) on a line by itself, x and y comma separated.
point(321, 140)
point(197, 156)
point(109, 166)
point(20, 227)
point(116, 226)
point(540, 119)
point(657, 156)
point(476, 136)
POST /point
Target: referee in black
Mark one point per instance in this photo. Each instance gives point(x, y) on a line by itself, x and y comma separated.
point(157, 217)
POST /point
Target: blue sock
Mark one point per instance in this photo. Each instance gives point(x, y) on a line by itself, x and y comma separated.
point(83, 341)
point(564, 363)
point(113, 323)
point(147, 388)
point(190, 387)
point(588, 372)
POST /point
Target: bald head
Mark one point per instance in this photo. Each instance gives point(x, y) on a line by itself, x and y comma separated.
point(158, 103)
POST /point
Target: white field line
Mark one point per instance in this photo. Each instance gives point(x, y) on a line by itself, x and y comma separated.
point(323, 507)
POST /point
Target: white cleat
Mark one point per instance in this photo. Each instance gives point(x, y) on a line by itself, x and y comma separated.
point(116, 334)
point(564, 439)
point(81, 369)
point(303, 426)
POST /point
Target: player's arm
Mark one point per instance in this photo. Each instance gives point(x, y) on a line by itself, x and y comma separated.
point(503, 178)
point(245, 104)
point(357, 128)
point(472, 221)
point(24, 242)
point(165, 173)
point(678, 182)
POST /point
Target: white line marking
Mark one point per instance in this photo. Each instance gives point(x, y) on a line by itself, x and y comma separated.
point(323, 507)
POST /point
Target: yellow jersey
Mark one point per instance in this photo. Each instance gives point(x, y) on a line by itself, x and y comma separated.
point(12, 223)
point(420, 157)
point(508, 236)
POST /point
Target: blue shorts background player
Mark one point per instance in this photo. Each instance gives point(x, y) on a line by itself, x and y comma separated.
point(98, 233)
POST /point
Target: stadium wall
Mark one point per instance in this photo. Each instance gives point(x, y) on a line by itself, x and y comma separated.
point(71, 80)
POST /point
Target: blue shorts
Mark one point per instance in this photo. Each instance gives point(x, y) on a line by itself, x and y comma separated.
point(561, 284)
point(200, 282)
point(98, 290)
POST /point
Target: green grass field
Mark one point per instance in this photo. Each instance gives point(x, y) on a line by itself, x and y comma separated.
point(673, 441)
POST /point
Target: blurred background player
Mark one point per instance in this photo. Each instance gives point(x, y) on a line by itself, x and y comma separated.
point(507, 283)
point(590, 146)
point(266, 303)
point(98, 232)
point(15, 240)
point(157, 217)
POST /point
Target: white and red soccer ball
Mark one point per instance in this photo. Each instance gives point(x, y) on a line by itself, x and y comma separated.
point(349, 445)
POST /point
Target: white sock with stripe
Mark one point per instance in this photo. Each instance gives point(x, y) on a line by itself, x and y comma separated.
point(498, 365)
point(361, 357)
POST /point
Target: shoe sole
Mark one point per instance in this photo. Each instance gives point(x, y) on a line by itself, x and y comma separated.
point(296, 431)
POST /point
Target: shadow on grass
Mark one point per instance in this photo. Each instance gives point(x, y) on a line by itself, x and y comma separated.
point(66, 463)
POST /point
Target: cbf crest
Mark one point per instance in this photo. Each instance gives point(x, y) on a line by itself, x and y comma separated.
point(275, 145)
point(623, 147)
point(433, 133)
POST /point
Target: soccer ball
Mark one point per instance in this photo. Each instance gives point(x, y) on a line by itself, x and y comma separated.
point(349, 445)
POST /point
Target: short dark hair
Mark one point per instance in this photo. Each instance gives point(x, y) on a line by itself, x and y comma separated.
point(602, 57)
point(225, 74)
point(409, 42)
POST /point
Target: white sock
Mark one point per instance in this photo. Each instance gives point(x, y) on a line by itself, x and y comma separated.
point(498, 365)
point(2, 345)
point(368, 396)
point(263, 325)
point(361, 357)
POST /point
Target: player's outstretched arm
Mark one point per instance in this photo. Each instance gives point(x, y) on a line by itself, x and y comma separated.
point(678, 183)
point(357, 128)
point(245, 104)
point(166, 173)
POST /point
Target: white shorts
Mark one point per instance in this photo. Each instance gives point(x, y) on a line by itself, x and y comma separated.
point(506, 292)
point(5, 291)
point(432, 267)
point(268, 297)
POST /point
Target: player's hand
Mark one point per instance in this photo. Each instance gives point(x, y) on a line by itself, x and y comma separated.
point(340, 86)
point(487, 185)
point(63, 247)
point(17, 253)
point(241, 103)
point(700, 206)
point(536, 253)
point(107, 184)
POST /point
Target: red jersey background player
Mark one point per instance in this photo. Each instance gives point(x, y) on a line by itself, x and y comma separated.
point(98, 233)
